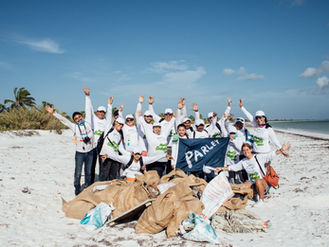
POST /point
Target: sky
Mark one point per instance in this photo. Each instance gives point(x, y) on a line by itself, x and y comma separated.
point(273, 54)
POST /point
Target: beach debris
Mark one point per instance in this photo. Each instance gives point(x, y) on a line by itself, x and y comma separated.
point(197, 228)
point(242, 221)
point(97, 216)
point(217, 191)
point(26, 190)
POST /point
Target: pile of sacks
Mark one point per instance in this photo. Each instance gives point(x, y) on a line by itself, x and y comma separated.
point(176, 197)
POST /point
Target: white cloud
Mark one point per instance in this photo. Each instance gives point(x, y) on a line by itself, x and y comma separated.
point(228, 71)
point(251, 76)
point(163, 67)
point(187, 76)
point(324, 66)
point(309, 72)
point(242, 70)
point(243, 74)
point(322, 81)
point(44, 45)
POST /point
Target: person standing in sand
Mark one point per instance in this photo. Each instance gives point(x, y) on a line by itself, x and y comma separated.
point(84, 140)
point(263, 134)
point(98, 124)
point(254, 164)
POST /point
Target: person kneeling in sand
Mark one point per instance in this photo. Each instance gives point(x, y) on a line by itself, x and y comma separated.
point(252, 164)
point(135, 164)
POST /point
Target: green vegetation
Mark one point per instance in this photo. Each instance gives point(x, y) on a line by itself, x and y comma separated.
point(22, 113)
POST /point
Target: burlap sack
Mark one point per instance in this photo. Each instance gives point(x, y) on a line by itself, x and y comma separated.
point(128, 196)
point(169, 210)
point(86, 200)
point(123, 194)
point(148, 178)
point(178, 176)
point(236, 203)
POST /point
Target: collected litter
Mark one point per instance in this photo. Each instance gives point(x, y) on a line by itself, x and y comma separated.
point(177, 203)
point(242, 221)
point(197, 228)
point(97, 216)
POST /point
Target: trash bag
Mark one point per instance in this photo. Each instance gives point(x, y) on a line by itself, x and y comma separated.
point(97, 216)
point(215, 194)
point(202, 230)
point(169, 210)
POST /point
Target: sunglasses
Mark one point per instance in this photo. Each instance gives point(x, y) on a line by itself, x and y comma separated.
point(259, 117)
point(168, 114)
point(148, 116)
point(129, 119)
point(102, 111)
point(137, 154)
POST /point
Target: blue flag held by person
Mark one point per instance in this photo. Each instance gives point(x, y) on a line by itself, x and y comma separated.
point(193, 154)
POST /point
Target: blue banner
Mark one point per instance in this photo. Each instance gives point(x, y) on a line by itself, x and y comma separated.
point(193, 154)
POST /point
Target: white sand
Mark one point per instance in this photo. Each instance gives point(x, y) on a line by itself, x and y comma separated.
point(44, 165)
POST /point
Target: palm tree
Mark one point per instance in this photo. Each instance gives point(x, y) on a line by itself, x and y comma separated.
point(22, 98)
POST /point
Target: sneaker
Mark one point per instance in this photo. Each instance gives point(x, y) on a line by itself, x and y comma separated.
point(260, 203)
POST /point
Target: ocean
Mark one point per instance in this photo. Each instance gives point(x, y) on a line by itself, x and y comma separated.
point(315, 126)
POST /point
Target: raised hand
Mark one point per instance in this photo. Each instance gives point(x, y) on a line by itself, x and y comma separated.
point(229, 101)
point(86, 91)
point(121, 107)
point(195, 107)
point(50, 109)
point(241, 103)
point(110, 100)
point(180, 104)
point(151, 100)
point(141, 99)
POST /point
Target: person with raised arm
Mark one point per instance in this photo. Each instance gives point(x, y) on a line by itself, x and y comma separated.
point(200, 131)
point(169, 120)
point(84, 141)
point(157, 143)
point(254, 164)
point(132, 135)
point(98, 123)
point(216, 131)
point(263, 134)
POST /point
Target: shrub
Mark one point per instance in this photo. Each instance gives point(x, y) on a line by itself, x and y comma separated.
point(34, 118)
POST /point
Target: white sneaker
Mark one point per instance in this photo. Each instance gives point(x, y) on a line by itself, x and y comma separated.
point(260, 203)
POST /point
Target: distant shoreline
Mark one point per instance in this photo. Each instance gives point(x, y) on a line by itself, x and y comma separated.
point(314, 136)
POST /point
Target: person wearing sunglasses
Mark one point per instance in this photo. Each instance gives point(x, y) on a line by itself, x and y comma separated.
point(84, 141)
point(263, 133)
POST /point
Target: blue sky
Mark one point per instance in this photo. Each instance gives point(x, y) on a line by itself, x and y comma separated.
point(273, 54)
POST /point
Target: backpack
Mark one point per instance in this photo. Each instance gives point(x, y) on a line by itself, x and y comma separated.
point(271, 177)
point(131, 161)
point(101, 139)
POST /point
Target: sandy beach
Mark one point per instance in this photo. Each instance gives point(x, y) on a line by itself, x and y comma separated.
point(36, 171)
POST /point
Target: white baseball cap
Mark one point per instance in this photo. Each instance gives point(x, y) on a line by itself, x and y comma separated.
point(232, 129)
point(156, 124)
point(101, 108)
point(169, 111)
point(199, 122)
point(120, 120)
point(186, 119)
point(239, 119)
point(210, 114)
point(147, 113)
point(130, 116)
point(260, 114)
point(137, 150)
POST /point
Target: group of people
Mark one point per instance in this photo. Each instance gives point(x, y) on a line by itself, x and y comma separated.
point(127, 145)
